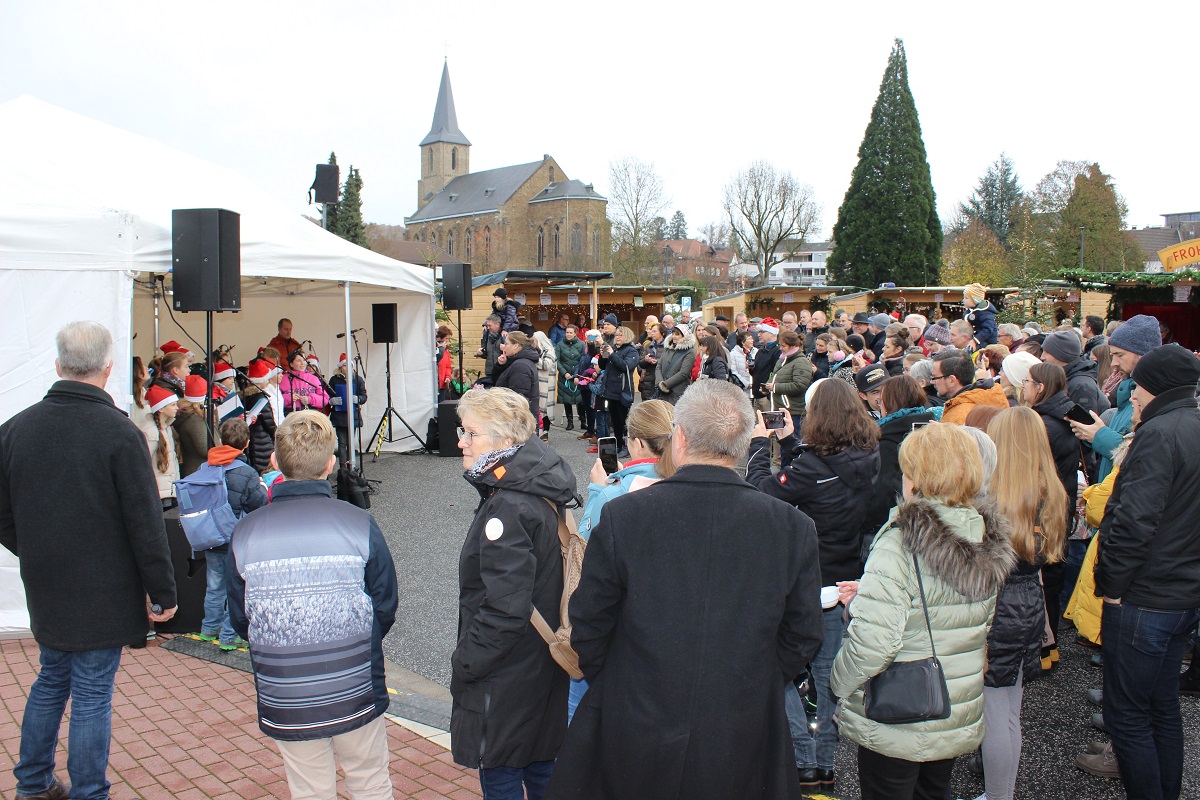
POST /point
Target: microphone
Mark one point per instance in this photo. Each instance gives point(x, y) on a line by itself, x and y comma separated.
point(356, 330)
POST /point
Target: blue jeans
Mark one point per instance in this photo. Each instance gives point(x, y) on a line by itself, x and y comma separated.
point(86, 678)
point(1143, 652)
point(579, 689)
point(505, 783)
point(817, 751)
point(216, 612)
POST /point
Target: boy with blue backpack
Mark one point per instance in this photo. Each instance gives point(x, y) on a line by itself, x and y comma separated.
point(246, 493)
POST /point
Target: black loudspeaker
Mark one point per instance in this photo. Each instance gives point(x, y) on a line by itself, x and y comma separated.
point(383, 323)
point(206, 259)
point(325, 185)
point(447, 417)
point(456, 286)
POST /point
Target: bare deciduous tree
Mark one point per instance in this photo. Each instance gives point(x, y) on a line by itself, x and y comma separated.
point(1054, 189)
point(636, 199)
point(715, 234)
point(771, 214)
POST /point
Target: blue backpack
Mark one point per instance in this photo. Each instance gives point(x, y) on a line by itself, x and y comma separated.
point(204, 511)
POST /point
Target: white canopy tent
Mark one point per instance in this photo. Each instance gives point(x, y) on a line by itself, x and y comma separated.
point(85, 224)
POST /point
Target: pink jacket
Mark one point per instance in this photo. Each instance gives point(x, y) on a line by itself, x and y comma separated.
point(296, 385)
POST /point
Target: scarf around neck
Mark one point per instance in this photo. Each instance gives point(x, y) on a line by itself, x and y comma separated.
point(490, 459)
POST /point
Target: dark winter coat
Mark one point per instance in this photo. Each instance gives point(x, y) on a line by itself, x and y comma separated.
point(1063, 445)
point(618, 372)
point(339, 401)
point(1094, 342)
point(764, 365)
point(510, 697)
point(193, 441)
point(894, 366)
point(568, 354)
point(820, 363)
point(983, 321)
point(520, 374)
point(650, 349)
point(262, 429)
point(932, 395)
point(79, 507)
point(716, 368)
point(810, 339)
point(1149, 539)
point(687, 635)
point(885, 494)
point(508, 310)
point(831, 490)
point(1083, 387)
point(876, 343)
point(1015, 640)
point(490, 344)
point(675, 368)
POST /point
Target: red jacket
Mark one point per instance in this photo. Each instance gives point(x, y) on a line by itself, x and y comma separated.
point(444, 369)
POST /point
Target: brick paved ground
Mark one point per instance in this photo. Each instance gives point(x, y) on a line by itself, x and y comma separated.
point(185, 728)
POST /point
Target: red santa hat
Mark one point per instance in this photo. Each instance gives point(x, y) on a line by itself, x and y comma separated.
point(261, 370)
point(342, 360)
point(195, 389)
point(768, 325)
point(159, 398)
point(222, 370)
point(175, 347)
point(312, 359)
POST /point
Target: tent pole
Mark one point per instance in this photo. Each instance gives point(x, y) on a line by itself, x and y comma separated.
point(349, 379)
point(595, 302)
point(210, 412)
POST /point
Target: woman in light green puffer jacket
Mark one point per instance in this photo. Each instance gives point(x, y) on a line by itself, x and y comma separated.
point(965, 557)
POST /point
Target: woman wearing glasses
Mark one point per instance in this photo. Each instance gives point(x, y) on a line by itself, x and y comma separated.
point(510, 697)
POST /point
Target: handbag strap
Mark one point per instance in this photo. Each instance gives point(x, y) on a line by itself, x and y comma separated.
point(924, 605)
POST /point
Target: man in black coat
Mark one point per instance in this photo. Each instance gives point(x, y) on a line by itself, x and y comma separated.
point(1064, 348)
point(1148, 572)
point(88, 562)
point(764, 362)
point(688, 628)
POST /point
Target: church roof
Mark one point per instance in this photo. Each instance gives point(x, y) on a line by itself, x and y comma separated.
point(567, 190)
point(445, 121)
point(476, 192)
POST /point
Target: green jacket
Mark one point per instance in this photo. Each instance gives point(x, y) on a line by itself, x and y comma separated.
point(965, 557)
point(568, 353)
point(791, 379)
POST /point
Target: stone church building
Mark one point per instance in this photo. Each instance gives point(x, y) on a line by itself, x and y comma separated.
point(526, 216)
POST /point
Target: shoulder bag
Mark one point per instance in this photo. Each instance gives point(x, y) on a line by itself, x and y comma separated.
point(910, 691)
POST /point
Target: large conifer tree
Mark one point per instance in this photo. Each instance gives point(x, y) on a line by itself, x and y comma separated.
point(349, 218)
point(888, 228)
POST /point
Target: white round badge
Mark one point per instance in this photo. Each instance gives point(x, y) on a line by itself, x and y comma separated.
point(494, 529)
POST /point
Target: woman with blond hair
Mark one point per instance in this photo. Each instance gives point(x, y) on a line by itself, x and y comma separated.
point(1028, 493)
point(938, 552)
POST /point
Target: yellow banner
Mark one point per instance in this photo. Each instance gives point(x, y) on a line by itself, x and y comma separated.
point(1180, 255)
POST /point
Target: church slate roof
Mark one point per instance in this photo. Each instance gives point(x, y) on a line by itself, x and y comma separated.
point(567, 190)
point(445, 120)
point(476, 192)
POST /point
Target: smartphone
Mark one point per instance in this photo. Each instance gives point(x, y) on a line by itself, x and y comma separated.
point(1078, 413)
point(916, 425)
point(606, 448)
point(773, 420)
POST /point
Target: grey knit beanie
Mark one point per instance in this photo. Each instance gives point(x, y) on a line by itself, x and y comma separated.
point(1063, 345)
point(1138, 335)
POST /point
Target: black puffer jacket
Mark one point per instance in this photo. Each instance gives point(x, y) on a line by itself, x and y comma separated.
point(1082, 385)
point(831, 490)
point(886, 492)
point(618, 371)
point(716, 368)
point(510, 698)
point(1015, 640)
point(520, 374)
point(262, 429)
point(1063, 445)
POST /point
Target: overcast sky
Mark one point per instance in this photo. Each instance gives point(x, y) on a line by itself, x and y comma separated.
point(699, 89)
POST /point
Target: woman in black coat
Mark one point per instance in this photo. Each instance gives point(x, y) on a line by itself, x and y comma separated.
point(516, 369)
point(262, 424)
point(905, 408)
point(829, 477)
point(510, 697)
point(618, 363)
point(716, 359)
point(1046, 392)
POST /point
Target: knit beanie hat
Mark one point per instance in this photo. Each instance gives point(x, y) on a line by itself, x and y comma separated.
point(937, 334)
point(768, 325)
point(501, 293)
point(1139, 335)
point(880, 321)
point(195, 389)
point(1063, 345)
point(1016, 367)
point(222, 370)
point(1167, 367)
point(611, 319)
point(975, 291)
point(855, 342)
point(158, 398)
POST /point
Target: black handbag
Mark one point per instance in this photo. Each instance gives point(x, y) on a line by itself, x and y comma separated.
point(910, 691)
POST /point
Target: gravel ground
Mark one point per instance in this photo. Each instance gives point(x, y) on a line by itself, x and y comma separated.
point(424, 507)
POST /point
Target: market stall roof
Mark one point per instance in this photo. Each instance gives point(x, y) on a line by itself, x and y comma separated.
point(537, 277)
point(780, 288)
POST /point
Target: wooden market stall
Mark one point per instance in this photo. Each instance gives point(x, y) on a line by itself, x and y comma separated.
point(772, 301)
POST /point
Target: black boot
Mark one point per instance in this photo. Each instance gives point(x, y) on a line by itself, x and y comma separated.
point(570, 424)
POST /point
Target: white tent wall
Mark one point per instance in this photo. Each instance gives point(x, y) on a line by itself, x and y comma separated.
point(319, 316)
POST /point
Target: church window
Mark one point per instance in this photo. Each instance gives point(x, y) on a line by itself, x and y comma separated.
point(541, 248)
point(576, 238)
point(557, 250)
point(453, 158)
point(468, 244)
point(450, 243)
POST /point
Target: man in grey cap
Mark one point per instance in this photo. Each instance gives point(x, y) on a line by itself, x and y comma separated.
point(876, 327)
point(1065, 349)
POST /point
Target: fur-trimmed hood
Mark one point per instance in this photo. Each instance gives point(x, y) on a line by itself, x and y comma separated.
point(688, 342)
point(975, 570)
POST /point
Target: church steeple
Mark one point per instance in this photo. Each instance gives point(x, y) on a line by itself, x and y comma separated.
point(445, 151)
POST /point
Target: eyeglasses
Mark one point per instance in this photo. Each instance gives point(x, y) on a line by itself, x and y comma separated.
point(466, 435)
point(938, 377)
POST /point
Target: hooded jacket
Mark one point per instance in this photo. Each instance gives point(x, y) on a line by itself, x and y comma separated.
point(1015, 640)
point(983, 321)
point(1109, 438)
point(520, 373)
point(764, 365)
point(791, 380)
point(984, 392)
point(1064, 446)
point(675, 368)
point(832, 490)
point(618, 372)
point(510, 697)
point(965, 558)
point(1083, 385)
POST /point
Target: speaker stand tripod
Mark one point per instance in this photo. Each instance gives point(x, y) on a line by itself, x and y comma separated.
point(383, 431)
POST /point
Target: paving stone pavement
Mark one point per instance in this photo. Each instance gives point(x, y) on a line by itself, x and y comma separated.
point(185, 729)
